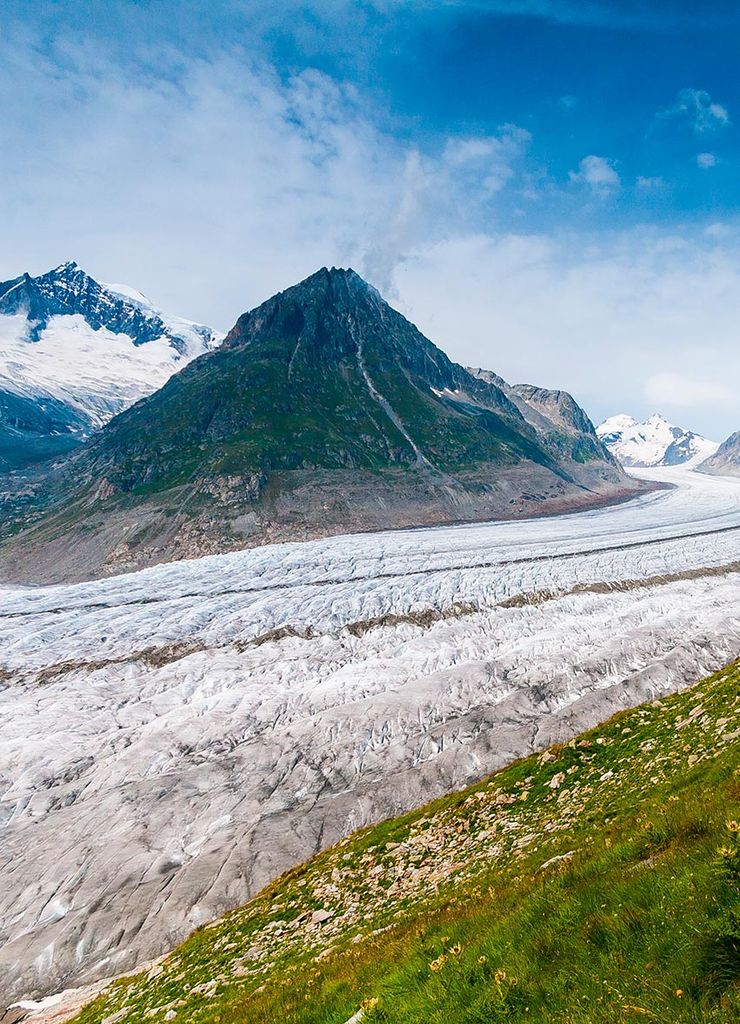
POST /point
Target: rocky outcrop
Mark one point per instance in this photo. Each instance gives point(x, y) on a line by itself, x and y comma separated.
point(726, 460)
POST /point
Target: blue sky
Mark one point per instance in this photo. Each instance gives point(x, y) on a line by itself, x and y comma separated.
point(546, 188)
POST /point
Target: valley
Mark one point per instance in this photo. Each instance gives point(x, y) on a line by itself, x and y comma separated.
point(594, 882)
point(224, 717)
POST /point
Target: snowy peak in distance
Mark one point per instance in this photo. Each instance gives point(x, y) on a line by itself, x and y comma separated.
point(654, 442)
point(75, 352)
point(69, 291)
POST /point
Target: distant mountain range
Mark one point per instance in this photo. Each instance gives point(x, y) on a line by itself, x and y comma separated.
point(324, 411)
point(726, 460)
point(654, 442)
point(74, 353)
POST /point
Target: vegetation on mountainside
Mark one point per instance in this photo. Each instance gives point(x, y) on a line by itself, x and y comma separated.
point(596, 882)
point(324, 375)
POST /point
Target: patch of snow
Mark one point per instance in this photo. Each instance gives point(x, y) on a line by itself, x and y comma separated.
point(97, 373)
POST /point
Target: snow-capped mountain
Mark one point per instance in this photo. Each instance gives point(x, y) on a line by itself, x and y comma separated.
point(75, 352)
point(655, 442)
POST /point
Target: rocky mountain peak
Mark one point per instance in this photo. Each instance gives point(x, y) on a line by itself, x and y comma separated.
point(68, 290)
point(559, 405)
point(328, 290)
point(334, 318)
point(76, 352)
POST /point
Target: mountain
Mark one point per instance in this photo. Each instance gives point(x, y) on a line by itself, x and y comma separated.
point(324, 411)
point(655, 442)
point(726, 459)
point(600, 873)
point(74, 353)
point(554, 415)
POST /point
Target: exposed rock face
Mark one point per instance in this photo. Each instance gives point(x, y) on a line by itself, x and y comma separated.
point(222, 719)
point(559, 406)
point(726, 460)
point(325, 411)
point(555, 415)
point(656, 442)
point(73, 353)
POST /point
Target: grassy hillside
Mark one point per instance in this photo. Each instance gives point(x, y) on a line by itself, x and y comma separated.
point(599, 881)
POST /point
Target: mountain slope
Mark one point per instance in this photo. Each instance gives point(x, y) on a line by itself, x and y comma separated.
point(726, 460)
point(555, 415)
point(655, 442)
point(325, 375)
point(582, 884)
point(73, 353)
point(324, 411)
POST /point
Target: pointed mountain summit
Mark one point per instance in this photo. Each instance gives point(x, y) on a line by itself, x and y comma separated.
point(324, 411)
point(325, 375)
point(74, 352)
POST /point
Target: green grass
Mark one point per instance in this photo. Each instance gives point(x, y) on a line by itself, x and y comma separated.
point(446, 915)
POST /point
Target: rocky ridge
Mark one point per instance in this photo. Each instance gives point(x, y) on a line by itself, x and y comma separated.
point(726, 460)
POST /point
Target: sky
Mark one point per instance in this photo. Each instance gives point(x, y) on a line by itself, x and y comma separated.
point(547, 188)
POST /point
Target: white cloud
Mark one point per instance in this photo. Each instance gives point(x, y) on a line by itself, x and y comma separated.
point(719, 230)
point(568, 102)
point(598, 173)
point(213, 183)
point(719, 113)
point(492, 158)
point(650, 184)
point(696, 108)
point(210, 186)
point(596, 316)
point(705, 160)
point(683, 389)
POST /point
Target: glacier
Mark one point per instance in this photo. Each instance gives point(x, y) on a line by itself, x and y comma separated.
point(172, 739)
